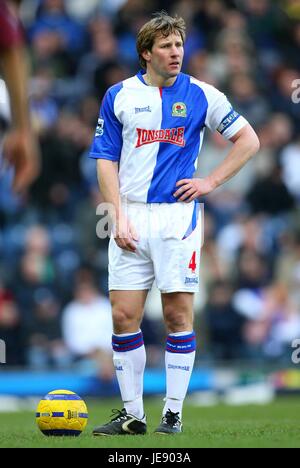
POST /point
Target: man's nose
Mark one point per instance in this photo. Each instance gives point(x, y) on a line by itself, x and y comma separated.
point(174, 51)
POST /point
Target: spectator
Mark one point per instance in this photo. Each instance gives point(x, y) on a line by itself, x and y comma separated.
point(287, 265)
point(36, 271)
point(270, 195)
point(10, 329)
point(281, 94)
point(247, 100)
point(44, 110)
point(64, 33)
point(223, 323)
point(284, 323)
point(45, 347)
point(104, 48)
point(276, 323)
point(252, 270)
point(87, 327)
point(290, 161)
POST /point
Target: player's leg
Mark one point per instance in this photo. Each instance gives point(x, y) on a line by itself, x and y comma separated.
point(129, 359)
point(179, 356)
point(130, 277)
point(176, 256)
point(129, 354)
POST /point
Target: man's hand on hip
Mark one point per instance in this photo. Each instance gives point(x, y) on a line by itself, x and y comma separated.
point(190, 189)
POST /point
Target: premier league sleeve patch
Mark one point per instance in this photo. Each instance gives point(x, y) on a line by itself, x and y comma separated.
point(227, 121)
point(99, 128)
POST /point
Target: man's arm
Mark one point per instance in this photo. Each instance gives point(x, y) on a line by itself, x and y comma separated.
point(15, 76)
point(245, 145)
point(20, 147)
point(125, 235)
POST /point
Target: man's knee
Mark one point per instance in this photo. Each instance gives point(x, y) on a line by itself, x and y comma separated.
point(178, 311)
point(175, 318)
point(124, 319)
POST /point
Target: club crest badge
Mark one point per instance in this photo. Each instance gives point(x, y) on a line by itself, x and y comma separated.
point(179, 109)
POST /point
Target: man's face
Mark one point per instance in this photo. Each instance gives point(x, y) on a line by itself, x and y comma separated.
point(166, 56)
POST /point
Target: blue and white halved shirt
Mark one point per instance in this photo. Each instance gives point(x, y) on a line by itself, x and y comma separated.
point(156, 134)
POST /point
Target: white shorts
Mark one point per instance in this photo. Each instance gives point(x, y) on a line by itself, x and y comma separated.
point(168, 250)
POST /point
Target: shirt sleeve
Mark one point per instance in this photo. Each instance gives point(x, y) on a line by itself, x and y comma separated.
point(11, 31)
point(107, 142)
point(220, 114)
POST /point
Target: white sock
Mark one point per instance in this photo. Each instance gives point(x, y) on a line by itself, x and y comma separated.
point(129, 358)
point(135, 407)
point(179, 360)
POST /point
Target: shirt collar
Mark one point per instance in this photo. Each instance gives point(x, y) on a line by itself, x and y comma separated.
point(174, 85)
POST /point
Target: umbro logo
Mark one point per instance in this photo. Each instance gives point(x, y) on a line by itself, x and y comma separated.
point(142, 109)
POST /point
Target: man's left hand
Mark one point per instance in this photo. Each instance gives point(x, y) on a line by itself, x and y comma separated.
point(190, 189)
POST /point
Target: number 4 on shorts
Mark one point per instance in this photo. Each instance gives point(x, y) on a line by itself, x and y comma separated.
point(192, 264)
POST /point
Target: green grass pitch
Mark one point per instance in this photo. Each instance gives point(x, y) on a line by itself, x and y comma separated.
point(273, 425)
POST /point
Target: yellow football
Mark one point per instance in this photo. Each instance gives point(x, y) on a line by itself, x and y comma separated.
point(61, 413)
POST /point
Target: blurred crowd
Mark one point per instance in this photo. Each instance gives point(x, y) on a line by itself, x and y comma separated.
point(54, 310)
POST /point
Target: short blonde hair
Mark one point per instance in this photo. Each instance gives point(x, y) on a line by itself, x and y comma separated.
point(161, 24)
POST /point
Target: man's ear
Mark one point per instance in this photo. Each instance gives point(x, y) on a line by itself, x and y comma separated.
point(146, 55)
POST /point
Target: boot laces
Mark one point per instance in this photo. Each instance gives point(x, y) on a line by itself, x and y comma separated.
point(118, 415)
point(171, 418)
